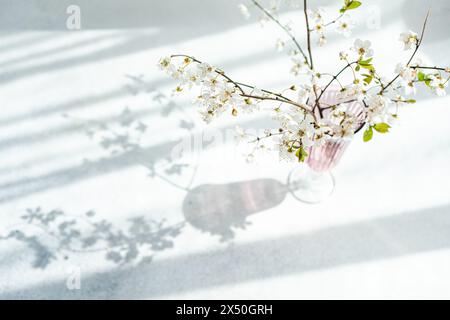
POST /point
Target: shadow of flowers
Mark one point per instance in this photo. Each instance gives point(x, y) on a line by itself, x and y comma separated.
point(123, 134)
point(60, 235)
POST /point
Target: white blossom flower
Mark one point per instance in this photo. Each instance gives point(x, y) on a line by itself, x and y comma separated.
point(377, 106)
point(304, 93)
point(410, 40)
point(344, 26)
point(274, 5)
point(226, 92)
point(321, 134)
point(285, 150)
point(353, 91)
point(311, 76)
point(165, 63)
point(210, 83)
point(343, 55)
point(246, 105)
point(416, 62)
point(342, 123)
point(398, 101)
point(392, 118)
point(289, 26)
point(175, 73)
point(177, 90)
point(302, 131)
point(207, 116)
point(409, 88)
point(204, 70)
point(322, 40)
point(191, 78)
point(406, 73)
point(363, 48)
point(346, 129)
point(438, 84)
point(280, 45)
point(244, 10)
point(299, 65)
point(250, 158)
point(258, 92)
point(319, 28)
point(240, 135)
point(316, 15)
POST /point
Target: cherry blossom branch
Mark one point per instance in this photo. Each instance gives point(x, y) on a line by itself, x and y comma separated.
point(258, 139)
point(276, 96)
point(432, 68)
point(279, 100)
point(349, 64)
point(219, 72)
point(288, 32)
point(338, 104)
point(308, 33)
point(265, 91)
point(334, 21)
point(220, 93)
point(419, 42)
point(334, 77)
point(361, 126)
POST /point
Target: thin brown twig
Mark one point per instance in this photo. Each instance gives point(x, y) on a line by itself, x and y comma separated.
point(419, 42)
point(334, 21)
point(264, 90)
point(288, 32)
point(219, 72)
point(338, 104)
point(277, 99)
point(349, 64)
point(431, 68)
point(257, 139)
point(276, 96)
point(334, 77)
point(308, 33)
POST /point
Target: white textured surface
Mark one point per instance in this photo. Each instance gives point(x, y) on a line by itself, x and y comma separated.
point(385, 232)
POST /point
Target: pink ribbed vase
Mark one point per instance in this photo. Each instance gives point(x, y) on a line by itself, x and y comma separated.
point(314, 183)
point(326, 157)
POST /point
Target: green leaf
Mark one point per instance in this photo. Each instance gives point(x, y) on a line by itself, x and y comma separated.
point(301, 154)
point(368, 67)
point(410, 101)
point(349, 5)
point(368, 79)
point(353, 5)
point(382, 127)
point(421, 76)
point(368, 134)
point(365, 62)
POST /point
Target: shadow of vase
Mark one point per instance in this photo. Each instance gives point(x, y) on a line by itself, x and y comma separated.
point(219, 209)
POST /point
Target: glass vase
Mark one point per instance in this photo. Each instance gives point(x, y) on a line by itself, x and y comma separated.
point(312, 181)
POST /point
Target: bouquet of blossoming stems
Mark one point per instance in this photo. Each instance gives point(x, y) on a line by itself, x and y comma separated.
point(307, 117)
